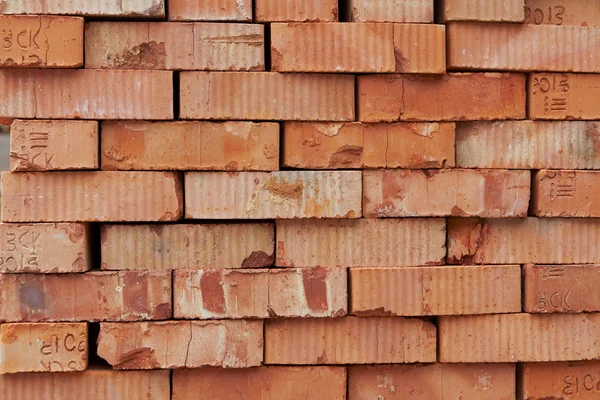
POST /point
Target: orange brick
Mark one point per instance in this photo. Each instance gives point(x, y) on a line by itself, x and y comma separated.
point(43, 347)
point(300, 292)
point(560, 380)
point(91, 196)
point(420, 48)
point(183, 246)
point(528, 144)
point(174, 46)
point(361, 242)
point(262, 195)
point(93, 384)
point(44, 248)
point(41, 41)
point(445, 192)
point(521, 241)
point(46, 145)
point(93, 296)
point(391, 11)
point(130, 8)
point(335, 341)
point(86, 94)
point(331, 47)
point(299, 11)
point(476, 10)
point(178, 344)
point(359, 145)
point(432, 382)
point(484, 46)
point(561, 288)
point(263, 383)
point(565, 193)
point(448, 97)
point(211, 10)
point(266, 96)
point(563, 96)
point(562, 12)
point(416, 291)
point(229, 146)
point(518, 338)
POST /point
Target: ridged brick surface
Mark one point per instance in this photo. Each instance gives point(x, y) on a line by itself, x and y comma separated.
point(420, 48)
point(129, 8)
point(299, 11)
point(391, 11)
point(213, 10)
point(488, 11)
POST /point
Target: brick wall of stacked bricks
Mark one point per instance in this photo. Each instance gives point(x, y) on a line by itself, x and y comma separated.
point(300, 199)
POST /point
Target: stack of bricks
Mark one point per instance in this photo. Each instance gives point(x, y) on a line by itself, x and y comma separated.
point(300, 199)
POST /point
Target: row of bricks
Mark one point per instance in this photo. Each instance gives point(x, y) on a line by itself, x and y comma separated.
point(128, 94)
point(52, 145)
point(324, 243)
point(299, 292)
point(159, 196)
point(500, 338)
point(537, 381)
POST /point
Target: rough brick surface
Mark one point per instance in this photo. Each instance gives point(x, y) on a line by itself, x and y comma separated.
point(420, 48)
point(445, 192)
point(263, 383)
point(46, 145)
point(45, 248)
point(93, 296)
point(299, 11)
point(230, 146)
point(178, 344)
point(300, 292)
point(31, 347)
point(91, 196)
point(211, 10)
point(475, 10)
point(446, 290)
point(518, 337)
point(129, 8)
point(450, 97)
point(187, 246)
point(365, 242)
point(565, 193)
point(174, 46)
point(391, 11)
point(41, 41)
point(261, 195)
point(566, 380)
point(334, 341)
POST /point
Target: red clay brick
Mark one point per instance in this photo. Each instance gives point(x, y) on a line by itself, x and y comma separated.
point(187, 246)
point(93, 296)
point(562, 12)
point(446, 192)
point(563, 96)
point(44, 248)
point(432, 382)
point(266, 96)
point(93, 384)
point(528, 144)
point(518, 338)
point(358, 145)
point(446, 290)
point(331, 47)
point(476, 10)
point(420, 48)
point(301, 292)
point(131, 8)
point(361, 242)
point(565, 193)
point(262, 195)
point(561, 288)
point(91, 196)
point(174, 46)
point(298, 11)
point(47, 145)
point(229, 146)
point(41, 41)
point(521, 241)
point(42, 347)
point(178, 344)
point(391, 11)
point(560, 380)
point(448, 97)
point(211, 10)
point(349, 340)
